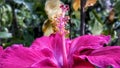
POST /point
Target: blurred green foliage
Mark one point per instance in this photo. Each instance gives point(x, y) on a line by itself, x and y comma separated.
point(21, 20)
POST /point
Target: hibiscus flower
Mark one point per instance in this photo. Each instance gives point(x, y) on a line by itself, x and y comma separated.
point(47, 52)
point(56, 51)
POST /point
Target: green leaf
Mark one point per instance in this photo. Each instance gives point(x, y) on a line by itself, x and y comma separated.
point(1, 2)
point(116, 7)
point(18, 1)
point(97, 17)
point(97, 28)
point(5, 35)
point(77, 14)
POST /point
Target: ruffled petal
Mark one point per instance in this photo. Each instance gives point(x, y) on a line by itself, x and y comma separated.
point(53, 43)
point(18, 56)
point(45, 63)
point(104, 57)
point(89, 41)
point(79, 63)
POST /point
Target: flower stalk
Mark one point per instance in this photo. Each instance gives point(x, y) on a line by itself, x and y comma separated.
point(65, 62)
point(82, 12)
point(62, 21)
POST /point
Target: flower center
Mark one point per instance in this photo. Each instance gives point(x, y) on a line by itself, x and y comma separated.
point(62, 19)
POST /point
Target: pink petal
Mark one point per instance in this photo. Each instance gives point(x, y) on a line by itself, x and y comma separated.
point(84, 51)
point(53, 43)
point(41, 43)
point(104, 57)
point(45, 63)
point(90, 41)
point(18, 56)
point(1, 50)
point(79, 63)
point(47, 53)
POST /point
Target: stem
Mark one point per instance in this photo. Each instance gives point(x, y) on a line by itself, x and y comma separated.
point(14, 28)
point(82, 24)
